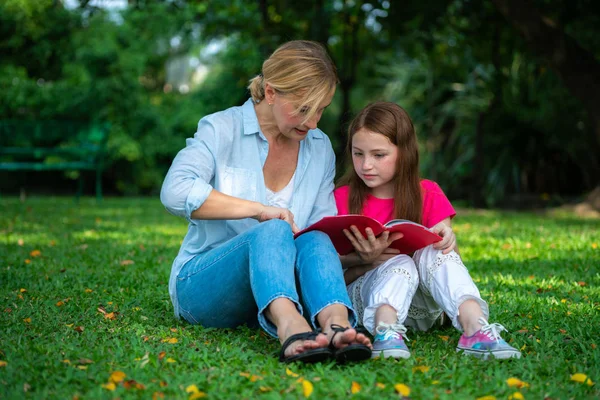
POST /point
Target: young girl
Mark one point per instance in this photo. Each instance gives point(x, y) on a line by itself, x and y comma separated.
point(391, 290)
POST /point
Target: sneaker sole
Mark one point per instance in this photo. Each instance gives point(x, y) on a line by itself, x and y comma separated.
point(500, 354)
point(395, 353)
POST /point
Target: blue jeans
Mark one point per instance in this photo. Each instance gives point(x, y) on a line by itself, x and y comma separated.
point(234, 283)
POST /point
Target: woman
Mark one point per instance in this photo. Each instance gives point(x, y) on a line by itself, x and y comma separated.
point(248, 180)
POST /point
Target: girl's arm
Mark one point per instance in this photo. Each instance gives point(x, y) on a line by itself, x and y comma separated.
point(448, 242)
point(356, 267)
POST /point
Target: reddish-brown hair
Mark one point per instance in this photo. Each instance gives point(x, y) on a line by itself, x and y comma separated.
point(392, 121)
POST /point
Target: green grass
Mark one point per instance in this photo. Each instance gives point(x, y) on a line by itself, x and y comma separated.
point(539, 272)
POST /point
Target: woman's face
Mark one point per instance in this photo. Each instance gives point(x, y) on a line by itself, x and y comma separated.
point(293, 126)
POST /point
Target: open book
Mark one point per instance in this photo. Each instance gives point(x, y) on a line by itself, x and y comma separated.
point(416, 236)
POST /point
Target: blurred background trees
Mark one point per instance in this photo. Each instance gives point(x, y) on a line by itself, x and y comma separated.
point(505, 94)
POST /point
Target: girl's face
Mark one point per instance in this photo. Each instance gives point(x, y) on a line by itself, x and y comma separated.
point(374, 158)
point(290, 125)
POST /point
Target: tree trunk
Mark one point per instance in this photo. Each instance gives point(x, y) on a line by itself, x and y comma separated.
point(578, 68)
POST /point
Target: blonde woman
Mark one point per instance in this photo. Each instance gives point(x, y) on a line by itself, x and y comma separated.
point(249, 179)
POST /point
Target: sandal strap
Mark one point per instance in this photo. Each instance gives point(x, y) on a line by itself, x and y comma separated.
point(293, 338)
point(338, 328)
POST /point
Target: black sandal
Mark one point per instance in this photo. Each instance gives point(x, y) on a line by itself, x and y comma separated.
point(352, 352)
point(308, 356)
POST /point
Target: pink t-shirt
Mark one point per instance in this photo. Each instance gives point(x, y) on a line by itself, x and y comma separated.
point(436, 206)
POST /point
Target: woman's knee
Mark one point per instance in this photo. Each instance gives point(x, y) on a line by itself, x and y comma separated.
point(316, 243)
point(274, 232)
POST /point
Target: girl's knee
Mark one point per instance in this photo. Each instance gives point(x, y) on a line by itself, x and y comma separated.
point(400, 265)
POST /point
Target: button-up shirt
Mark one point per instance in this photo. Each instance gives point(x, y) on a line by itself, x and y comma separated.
point(227, 154)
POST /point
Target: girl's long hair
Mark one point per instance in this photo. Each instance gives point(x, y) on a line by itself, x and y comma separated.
point(393, 122)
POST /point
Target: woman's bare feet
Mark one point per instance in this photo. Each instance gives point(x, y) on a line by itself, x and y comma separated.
point(283, 313)
point(347, 337)
point(300, 346)
point(337, 314)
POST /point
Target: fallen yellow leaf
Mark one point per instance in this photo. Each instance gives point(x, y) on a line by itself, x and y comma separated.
point(110, 315)
point(422, 368)
point(88, 290)
point(109, 386)
point(170, 340)
point(444, 338)
point(516, 382)
point(582, 378)
point(355, 388)
point(27, 261)
point(171, 360)
point(133, 384)
point(27, 320)
point(265, 389)
point(516, 396)
point(402, 389)
point(435, 382)
point(191, 389)
point(307, 388)
point(290, 373)
point(245, 374)
point(22, 290)
point(66, 361)
point(380, 385)
point(127, 262)
point(84, 367)
point(60, 304)
point(3, 363)
point(117, 376)
point(489, 397)
point(35, 253)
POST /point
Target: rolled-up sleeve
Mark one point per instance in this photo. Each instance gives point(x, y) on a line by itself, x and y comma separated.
point(325, 202)
point(187, 184)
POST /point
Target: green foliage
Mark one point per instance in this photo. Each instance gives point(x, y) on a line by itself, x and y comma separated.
point(492, 119)
point(61, 264)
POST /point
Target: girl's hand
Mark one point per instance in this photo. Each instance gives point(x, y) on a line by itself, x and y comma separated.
point(267, 212)
point(370, 248)
point(448, 242)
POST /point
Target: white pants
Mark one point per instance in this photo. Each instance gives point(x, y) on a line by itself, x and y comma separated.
point(418, 288)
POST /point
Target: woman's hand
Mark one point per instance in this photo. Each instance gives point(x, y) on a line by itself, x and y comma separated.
point(267, 212)
point(448, 242)
point(369, 249)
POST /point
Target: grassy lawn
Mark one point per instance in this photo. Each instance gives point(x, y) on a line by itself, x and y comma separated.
point(84, 294)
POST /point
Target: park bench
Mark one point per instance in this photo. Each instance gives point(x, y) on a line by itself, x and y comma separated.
point(54, 146)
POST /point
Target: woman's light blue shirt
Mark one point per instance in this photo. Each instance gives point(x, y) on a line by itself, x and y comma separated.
point(227, 154)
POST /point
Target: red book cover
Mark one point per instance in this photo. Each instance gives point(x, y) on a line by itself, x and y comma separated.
point(416, 236)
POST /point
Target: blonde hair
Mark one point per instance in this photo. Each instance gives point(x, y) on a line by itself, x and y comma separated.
point(301, 68)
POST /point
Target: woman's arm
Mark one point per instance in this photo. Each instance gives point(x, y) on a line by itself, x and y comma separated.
point(221, 206)
point(187, 191)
